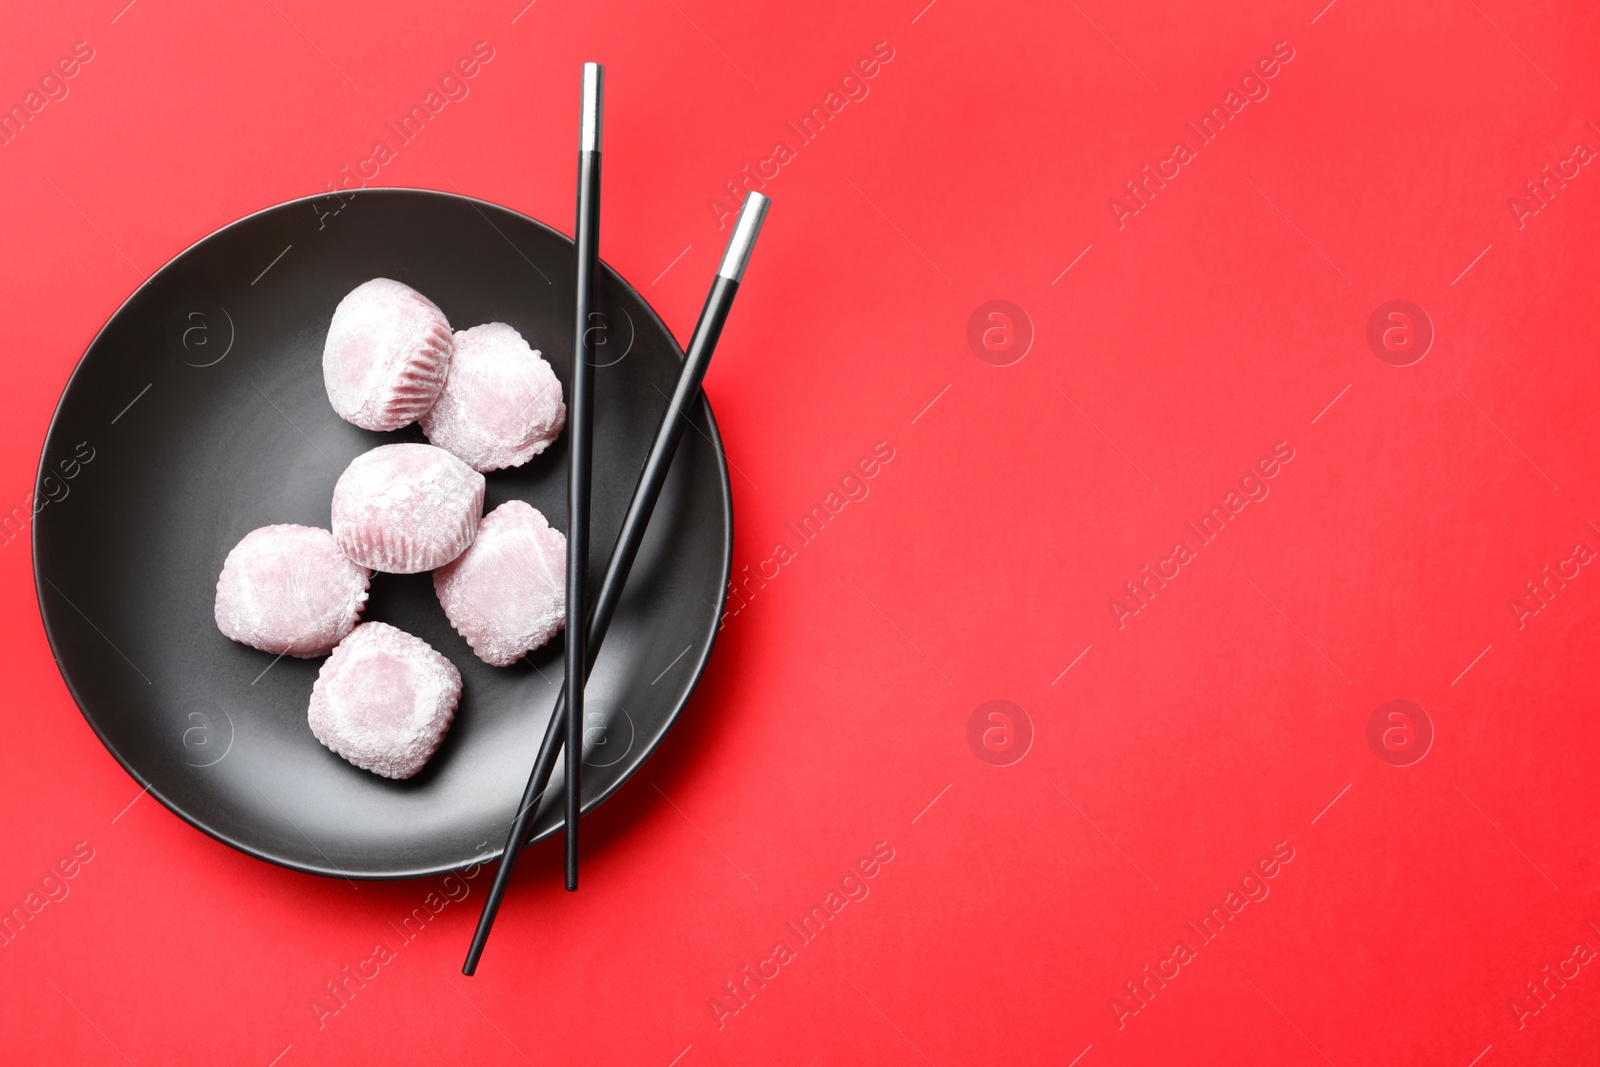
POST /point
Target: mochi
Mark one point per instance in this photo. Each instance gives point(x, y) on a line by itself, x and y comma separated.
point(507, 593)
point(290, 590)
point(406, 508)
point(386, 355)
point(501, 404)
point(384, 700)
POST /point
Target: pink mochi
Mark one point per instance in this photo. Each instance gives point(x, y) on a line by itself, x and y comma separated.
point(290, 590)
point(406, 508)
point(386, 356)
point(384, 700)
point(501, 404)
point(507, 593)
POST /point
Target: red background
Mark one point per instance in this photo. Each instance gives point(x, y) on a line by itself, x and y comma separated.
point(1219, 721)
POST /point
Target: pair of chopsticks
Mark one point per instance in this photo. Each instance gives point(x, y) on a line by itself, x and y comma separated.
point(586, 624)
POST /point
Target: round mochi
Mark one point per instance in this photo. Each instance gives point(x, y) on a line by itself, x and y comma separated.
point(387, 355)
point(501, 403)
point(507, 593)
point(384, 700)
point(290, 590)
point(406, 508)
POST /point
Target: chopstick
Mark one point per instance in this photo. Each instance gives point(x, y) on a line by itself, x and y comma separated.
point(651, 478)
point(580, 425)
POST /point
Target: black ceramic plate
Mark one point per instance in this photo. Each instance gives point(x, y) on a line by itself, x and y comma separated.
point(198, 414)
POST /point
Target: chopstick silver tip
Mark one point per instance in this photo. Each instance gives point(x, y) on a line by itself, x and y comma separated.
point(745, 231)
point(594, 76)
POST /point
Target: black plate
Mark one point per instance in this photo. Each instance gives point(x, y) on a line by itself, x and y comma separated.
point(198, 414)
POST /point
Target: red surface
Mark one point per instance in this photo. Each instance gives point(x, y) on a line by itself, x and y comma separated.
point(1183, 748)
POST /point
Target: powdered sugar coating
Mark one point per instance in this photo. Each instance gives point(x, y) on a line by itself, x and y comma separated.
point(290, 590)
point(507, 593)
point(384, 700)
point(501, 403)
point(406, 508)
point(386, 356)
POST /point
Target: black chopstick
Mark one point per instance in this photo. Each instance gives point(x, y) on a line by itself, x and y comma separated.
point(651, 479)
point(580, 427)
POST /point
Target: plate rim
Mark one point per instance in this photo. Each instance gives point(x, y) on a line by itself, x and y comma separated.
point(494, 853)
